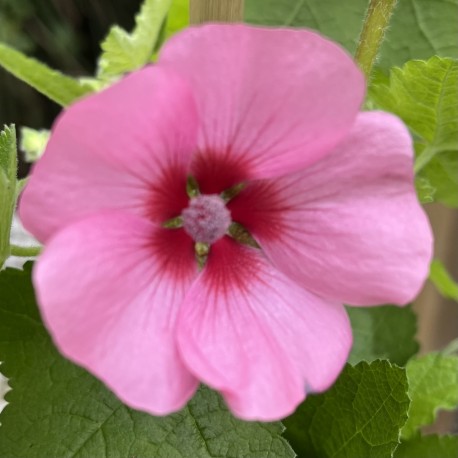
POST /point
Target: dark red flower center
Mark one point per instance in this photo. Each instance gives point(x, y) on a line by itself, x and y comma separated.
point(218, 199)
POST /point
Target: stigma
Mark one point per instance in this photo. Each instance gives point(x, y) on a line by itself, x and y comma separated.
point(206, 219)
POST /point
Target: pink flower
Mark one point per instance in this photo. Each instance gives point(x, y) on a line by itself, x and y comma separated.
point(328, 196)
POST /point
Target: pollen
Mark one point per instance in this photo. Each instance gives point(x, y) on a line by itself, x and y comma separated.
point(206, 219)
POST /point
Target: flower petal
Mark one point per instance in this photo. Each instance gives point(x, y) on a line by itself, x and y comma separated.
point(250, 332)
point(349, 228)
point(272, 99)
point(127, 147)
point(109, 288)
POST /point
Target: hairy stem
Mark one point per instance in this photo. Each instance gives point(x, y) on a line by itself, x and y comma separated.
point(24, 251)
point(216, 11)
point(374, 28)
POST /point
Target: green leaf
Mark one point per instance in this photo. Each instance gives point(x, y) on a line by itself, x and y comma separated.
point(418, 29)
point(360, 416)
point(433, 385)
point(33, 143)
point(124, 52)
point(386, 332)
point(8, 159)
point(425, 96)
point(57, 409)
point(341, 21)
point(178, 17)
point(8, 173)
point(53, 84)
point(446, 285)
point(425, 191)
point(428, 447)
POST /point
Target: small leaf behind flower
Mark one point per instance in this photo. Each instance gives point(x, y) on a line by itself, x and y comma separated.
point(33, 143)
point(425, 191)
point(124, 52)
point(178, 17)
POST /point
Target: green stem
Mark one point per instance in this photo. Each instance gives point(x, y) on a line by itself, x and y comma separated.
point(374, 28)
point(25, 251)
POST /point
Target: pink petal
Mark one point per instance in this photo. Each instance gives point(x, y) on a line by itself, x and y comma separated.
point(247, 330)
point(271, 99)
point(109, 288)
point(349, 228)
point(127, 147)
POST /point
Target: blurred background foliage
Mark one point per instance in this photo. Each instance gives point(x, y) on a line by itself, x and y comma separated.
point(65, 34)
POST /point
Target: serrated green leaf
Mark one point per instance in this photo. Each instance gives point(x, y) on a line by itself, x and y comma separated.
point(8, 162)
point(57, 409)
point(431, 446)
point(53, 84)
point(425, 96)
point(177, 19)
point(446, 285)
point(8, 172)
point(442, 173)
point(33, 143)
point(360, 416)
point(418, 28)
point(425, 191)
point(124, 52)
point(386, 332)
point(433, 385)
point(423, 93)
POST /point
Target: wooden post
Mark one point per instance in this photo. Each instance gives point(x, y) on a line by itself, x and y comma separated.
point(216, 11)
point(438, 317)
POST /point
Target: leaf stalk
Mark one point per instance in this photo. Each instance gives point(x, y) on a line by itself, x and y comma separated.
point(25, 251)
point(374, 27)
